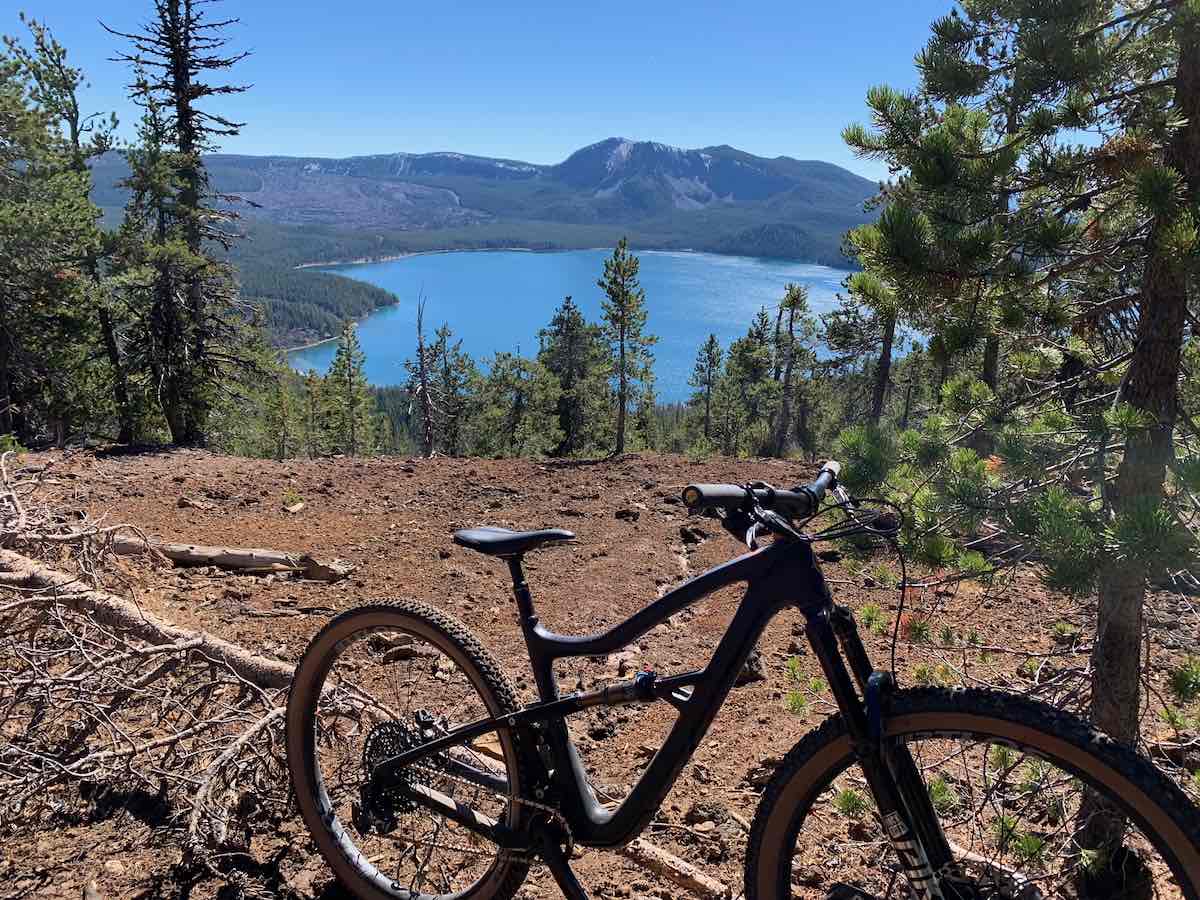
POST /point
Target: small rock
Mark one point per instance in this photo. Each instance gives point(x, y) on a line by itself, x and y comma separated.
point(443, 553)
point(752, 671)
point(631, 515)
point(692, 534)
point(705, 827)
point(705, 812)
point(91, 892)
point(759, 775)
point(189, 503)
point(293, 508)
point(114, 867)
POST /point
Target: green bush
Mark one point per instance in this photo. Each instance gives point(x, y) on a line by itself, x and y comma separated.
point(1185, 680)
point(868, 455)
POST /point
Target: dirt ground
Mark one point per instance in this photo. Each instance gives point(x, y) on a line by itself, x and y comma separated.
point(393, 520)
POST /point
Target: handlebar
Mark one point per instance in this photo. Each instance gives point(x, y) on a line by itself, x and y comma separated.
point(800, 502)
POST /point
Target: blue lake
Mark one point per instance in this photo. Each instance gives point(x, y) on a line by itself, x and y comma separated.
point(498, 300)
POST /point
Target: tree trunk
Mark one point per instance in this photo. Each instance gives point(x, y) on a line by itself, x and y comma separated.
point(622, 395)
point(778, 367)
point(883, 371)
point(6, 397)
point(983, 441)
point(423, 384)
point(708, 406)
point(1151, 385)
point(907, 405)
point(784, 421)
point(120, 384)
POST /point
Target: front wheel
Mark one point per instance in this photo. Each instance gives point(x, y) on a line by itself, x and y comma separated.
point(1009, 779)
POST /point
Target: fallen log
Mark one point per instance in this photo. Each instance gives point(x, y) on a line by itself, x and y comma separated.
point(243, 559)
point(120, 614)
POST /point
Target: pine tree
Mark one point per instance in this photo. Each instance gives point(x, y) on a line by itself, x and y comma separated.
point(624, 324)
point(281, 429)
point(47, 234)
point(456, 375)
point(574, 351)
point(1004, 219)
point(196, 321)
point(313, 427)
point(790, 348)
point(704, 379)
point(863, 328)
point(54, 86)
point(421, 375)
point(517, 409)
point(347, 396)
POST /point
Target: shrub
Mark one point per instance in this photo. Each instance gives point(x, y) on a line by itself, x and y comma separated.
point(915, 628)
point(944, 798)
point(870, 615)
point(851, 803)
point(1185, 680)
point(868, 454)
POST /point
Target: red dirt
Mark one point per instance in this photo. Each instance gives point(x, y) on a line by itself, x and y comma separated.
point(393, 520)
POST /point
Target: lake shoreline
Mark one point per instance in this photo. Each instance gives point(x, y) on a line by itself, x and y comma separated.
point(498, 298)
point(397, 257)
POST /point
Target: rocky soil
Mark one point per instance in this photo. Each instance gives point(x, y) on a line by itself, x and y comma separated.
point(393, 520)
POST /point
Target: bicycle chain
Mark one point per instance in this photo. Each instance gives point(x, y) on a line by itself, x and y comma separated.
point(552, 811)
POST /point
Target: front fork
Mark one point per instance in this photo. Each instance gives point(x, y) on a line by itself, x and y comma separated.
point(900, 794)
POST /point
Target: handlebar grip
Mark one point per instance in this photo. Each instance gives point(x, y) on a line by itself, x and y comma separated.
point(714, 496)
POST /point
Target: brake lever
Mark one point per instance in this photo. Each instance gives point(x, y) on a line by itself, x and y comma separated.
point(777, 524)
point(752, 537)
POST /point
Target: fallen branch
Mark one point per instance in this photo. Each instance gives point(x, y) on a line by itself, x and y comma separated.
point(1016, 885)
point(245, 559)
point(674, 869)
point(122, 615)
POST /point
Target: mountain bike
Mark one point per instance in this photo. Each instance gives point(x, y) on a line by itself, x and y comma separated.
point(420, 775)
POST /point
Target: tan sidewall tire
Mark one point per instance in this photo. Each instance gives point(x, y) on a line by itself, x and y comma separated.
point(1147, 794)
point(453, 638)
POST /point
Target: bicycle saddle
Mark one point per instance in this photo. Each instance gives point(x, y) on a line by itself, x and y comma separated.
point(502, 542)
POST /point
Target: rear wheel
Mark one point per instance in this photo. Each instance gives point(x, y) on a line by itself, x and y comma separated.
point(374, 682)
point(1008, 779)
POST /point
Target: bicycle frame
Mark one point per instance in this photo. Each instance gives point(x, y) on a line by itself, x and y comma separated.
point(769, 590)
point(782, 574)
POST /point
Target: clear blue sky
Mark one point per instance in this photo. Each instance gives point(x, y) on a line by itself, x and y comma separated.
point(532, 80)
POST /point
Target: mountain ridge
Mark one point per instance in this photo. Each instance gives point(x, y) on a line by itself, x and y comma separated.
point(306, 209)
point(615, 181)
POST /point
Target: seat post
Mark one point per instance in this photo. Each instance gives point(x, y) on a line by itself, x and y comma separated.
point(542, 666)
point(521, 592)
